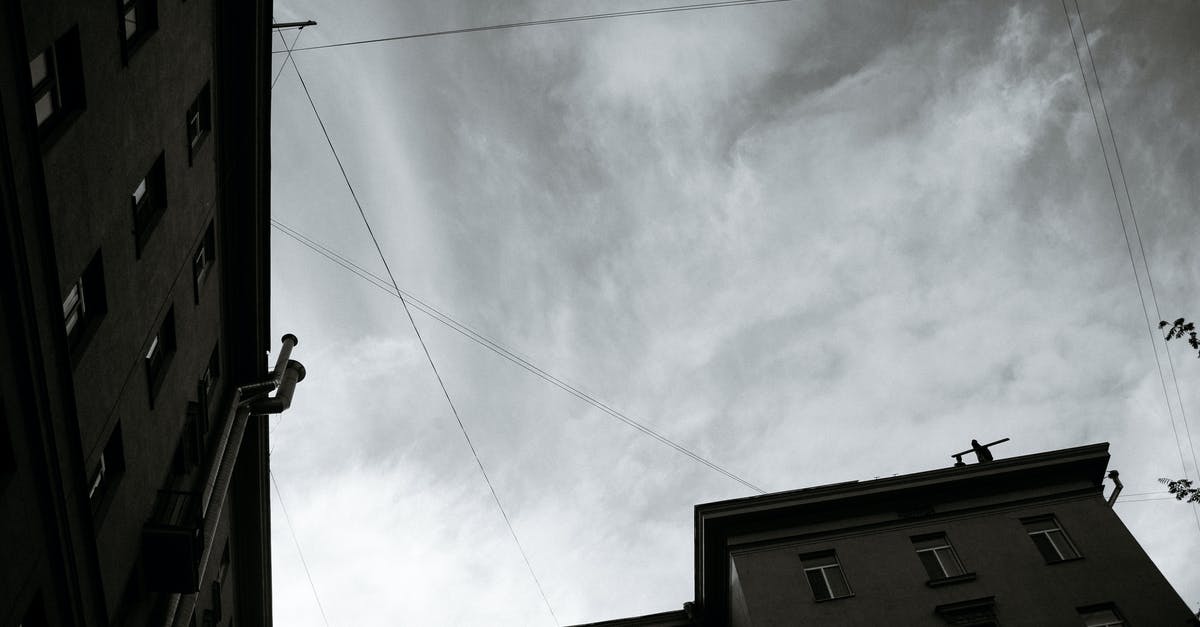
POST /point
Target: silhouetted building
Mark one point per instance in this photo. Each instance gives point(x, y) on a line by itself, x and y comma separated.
point(1027, 541)
point(134, 186)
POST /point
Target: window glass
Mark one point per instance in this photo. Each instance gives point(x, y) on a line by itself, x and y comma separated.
point(938, 556)
point(130, 21)
point(1050, 539)
point(825, 576)
point(74, 308)
point(1102, 618)
point(39, 69)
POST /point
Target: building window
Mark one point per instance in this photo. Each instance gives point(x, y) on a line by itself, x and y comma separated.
point(1050, 539)
point(149, 198)
point(158, 355)
point(1101, 616)
point(139, 20)
point(199, 122)
point(203, 260)
point(938, 557)
point(56, 76)
point(84, 304)
point(107, 470)
point(825, 576)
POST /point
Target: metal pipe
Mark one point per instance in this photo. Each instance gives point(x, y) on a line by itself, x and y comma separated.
point(247, 400)
point(283, 398)
point(1116, 477)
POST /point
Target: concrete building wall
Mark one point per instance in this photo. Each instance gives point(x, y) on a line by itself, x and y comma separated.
point(889, 583)
point(67, 194)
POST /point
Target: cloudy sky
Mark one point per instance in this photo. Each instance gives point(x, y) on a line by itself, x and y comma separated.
point(811, 241)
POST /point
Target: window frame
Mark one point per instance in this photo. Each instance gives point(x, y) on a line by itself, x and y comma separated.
point(1048, 539)
point(201, 111)
point(821, 568)
point(942, 550)
point(200, 273)
point(158, 356)
point(62, 81)
point(90, 306)
point(145, 24)
point(150, 205)
point(107, 472)
point(1117, 619)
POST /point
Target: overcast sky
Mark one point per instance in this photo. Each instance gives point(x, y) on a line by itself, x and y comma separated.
point(811, 241)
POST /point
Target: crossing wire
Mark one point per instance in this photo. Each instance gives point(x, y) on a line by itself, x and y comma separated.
point(1125, 230)
point(557, 20)
point(502, 350)
point(1138, 233)
point(424, 347)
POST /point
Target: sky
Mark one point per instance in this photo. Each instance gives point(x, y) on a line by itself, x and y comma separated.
point(810, 241)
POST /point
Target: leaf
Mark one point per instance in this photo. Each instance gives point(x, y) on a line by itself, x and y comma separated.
point(1179, 322)
point(1162, 324)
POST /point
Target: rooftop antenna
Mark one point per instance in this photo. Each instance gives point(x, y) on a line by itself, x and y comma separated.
point(982, 454)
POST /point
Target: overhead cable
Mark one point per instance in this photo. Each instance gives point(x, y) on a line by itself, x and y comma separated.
point(299, 551)
point(424, 347)
point(501, 350)
point(557, 20)
point(1128, 241)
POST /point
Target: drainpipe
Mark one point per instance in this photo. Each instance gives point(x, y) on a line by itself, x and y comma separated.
point(247, 400)
point(1116, 477)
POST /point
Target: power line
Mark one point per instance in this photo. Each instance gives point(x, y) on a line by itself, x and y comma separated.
point(1125, 230)
point(421, 340)
point(503, 351)
point(1137, 232)
point(283, 66)
point(303, 562)
point(557, 20)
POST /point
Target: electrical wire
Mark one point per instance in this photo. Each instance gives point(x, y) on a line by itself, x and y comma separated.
point(1138, 233)
point(283, 66)
point(503, 351)
point(300, 551)
point(557, 20)
point(1125, 231)
point(424, 347)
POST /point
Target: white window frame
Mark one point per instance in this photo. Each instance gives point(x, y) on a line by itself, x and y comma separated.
point(825, 577)
point(939, 552)
point(1050, 538)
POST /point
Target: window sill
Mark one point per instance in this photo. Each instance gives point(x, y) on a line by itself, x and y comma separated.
point(1069, 559)
point(946, 581)
point(848, 596)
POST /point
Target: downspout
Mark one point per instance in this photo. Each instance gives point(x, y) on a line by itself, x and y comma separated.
point(248, 400)
point(1116, 477)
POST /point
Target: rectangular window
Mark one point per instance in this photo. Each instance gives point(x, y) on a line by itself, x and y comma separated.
point(1101, 616)
point(158, 355)
point(107, 470)
point(56, 77)
point(84, 304)
point(203, 260)
point(149, 199)
point(139, 20)
point(938, 557)
point(825, 576)
point(1050, 539)
point(199, 122)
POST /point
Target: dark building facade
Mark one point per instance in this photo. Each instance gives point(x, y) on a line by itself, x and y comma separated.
point(1028, 541)
point(134, 188)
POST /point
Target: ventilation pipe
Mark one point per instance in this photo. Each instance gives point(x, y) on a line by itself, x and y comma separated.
point(1116, 477)
point(248, 400)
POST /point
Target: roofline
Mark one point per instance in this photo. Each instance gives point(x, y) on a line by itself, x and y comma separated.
point(715, 521)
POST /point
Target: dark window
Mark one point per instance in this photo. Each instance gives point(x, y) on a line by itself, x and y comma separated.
point(938, 557)
point(139, 20)
point(8, 462)
point(84, 304)
point(825, 576)
point(190, 451)
point(203, 260)
point(224, 569)
point(149, 198)
point(1101, 616)
point(158, 355)
point(199, 122)
point(216, 601)
point(56, 76)
point(107, 471)
point(1050, 539)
